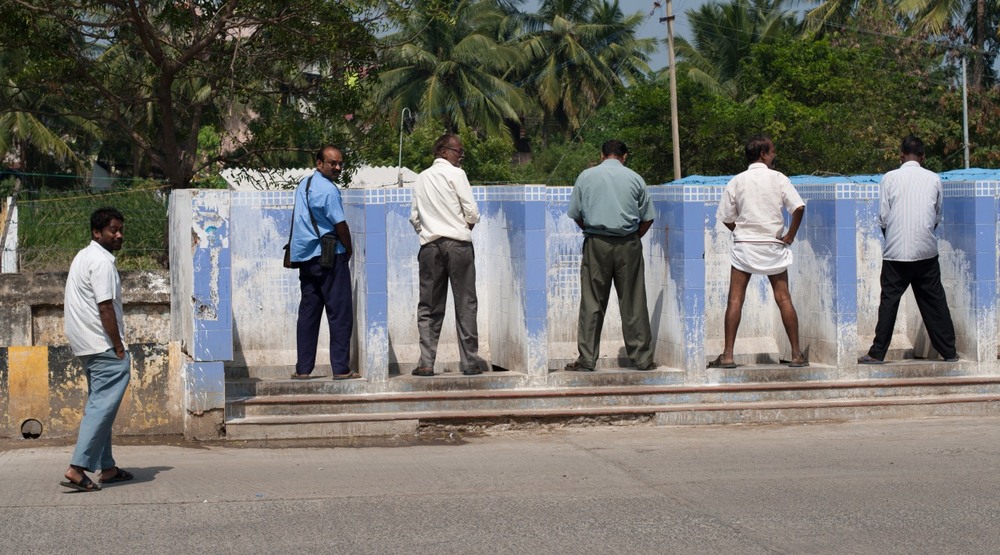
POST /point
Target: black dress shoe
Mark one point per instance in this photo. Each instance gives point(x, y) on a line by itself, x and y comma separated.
point(472, 372)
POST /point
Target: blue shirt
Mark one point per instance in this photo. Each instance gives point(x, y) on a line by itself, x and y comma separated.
point(327, 209)
point(610, 199)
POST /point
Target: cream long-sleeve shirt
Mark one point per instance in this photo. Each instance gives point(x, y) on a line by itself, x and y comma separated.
point(442, 203)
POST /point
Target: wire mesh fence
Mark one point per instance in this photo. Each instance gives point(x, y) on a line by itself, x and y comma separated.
point(52, 226)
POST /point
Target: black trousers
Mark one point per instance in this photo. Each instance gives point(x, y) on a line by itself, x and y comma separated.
point(925, 278)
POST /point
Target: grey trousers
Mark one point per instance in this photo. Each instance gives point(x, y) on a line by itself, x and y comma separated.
point(617, 261)
point(441, 262)
point(107, 379)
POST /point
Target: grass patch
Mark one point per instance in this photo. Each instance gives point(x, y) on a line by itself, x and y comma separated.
point(54, 225)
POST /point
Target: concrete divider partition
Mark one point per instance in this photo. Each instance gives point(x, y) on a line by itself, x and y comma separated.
point(234, 305)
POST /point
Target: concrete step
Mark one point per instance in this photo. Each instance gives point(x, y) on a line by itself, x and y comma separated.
point(395, 423)
point(344, 401)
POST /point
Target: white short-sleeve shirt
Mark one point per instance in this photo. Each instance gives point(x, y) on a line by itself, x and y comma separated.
point(93, 278)
point(753, 200)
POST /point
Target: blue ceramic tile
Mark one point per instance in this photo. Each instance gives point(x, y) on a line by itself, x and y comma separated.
point(535, 273)
point(375, 248)
point(377, 308)
point(536, 298)
point(694, 275)
point(213, 345)
point(534, 215)
point(376, 277)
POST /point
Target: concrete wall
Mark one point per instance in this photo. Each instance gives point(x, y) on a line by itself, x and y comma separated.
point(527, 263)
point(41, 380)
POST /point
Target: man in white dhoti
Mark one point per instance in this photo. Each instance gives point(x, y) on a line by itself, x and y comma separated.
point(751, 208)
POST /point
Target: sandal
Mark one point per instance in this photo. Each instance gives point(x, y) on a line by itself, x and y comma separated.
point(120, 476)
point(426, 372)
point(717, 363)
point(347, 376)
point(85, 485)
point(302, 376)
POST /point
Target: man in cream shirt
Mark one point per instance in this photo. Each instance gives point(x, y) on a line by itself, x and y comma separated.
point(443, 213)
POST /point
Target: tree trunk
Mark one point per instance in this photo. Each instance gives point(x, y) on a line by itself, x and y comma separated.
point(979, 38)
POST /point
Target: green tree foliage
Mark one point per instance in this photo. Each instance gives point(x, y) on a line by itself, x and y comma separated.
point(444, 62)
point(268, 75)
point(724, 36)
point(581, 50)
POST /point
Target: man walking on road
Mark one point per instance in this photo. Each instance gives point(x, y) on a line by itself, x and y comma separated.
point(909, 212)
point(443, 213)
point(96, 332)
point(611, 205)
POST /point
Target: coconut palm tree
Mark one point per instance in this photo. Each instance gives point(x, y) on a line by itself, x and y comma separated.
point(445, 62)
point(976, 21)
point(725, 34)
point(31, 122)
point(580, 51)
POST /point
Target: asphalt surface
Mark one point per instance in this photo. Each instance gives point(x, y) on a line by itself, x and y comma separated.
point(892, 486)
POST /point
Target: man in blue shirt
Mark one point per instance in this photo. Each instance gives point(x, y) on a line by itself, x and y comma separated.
point(611, 205)
point(319, 211)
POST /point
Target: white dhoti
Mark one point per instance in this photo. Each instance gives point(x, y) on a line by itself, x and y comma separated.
point(761, 258)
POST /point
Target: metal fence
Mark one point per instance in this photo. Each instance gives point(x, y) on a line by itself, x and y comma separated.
point(52, 226)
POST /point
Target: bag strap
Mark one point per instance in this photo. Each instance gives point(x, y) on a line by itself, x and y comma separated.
point(309, 207)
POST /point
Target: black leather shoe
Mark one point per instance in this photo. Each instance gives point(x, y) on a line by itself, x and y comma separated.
point(472, 372)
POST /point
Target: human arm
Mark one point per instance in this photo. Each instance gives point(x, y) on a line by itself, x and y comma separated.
point(109, 321)
point(794, 227)
point(344, 236)
point(644, 227)
point(463, 190)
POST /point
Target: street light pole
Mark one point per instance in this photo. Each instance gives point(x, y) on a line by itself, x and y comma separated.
point(399, 175)
point(674, 131)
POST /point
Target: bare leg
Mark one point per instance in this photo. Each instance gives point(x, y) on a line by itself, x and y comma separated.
point(738, 281)
point(779, 284)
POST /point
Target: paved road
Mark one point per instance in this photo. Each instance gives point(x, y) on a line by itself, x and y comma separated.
point(914, 486)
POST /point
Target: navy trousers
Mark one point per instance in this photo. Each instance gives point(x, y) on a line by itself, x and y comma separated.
point(325, 289)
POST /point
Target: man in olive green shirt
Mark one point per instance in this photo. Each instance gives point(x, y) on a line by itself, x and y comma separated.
point(611, 205)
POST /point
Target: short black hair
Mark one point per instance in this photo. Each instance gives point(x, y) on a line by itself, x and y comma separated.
point(757, 146)
point(101, 218)
point(324, 148)
point(615, 148)
point(912, 145)
point(442, 142)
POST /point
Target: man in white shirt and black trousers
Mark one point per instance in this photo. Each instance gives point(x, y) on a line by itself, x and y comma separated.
point(909, 212)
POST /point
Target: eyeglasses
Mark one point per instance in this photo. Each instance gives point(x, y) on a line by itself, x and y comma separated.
point(334, 163)
point(460, 151)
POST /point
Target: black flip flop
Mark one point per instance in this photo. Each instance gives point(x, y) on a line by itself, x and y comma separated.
point(717, 363)
point(86, 485)
point(347, 376)
point(120, 476)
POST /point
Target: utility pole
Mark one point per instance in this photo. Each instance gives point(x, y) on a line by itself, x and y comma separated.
point(402, 120)
point(965, 113)
point(674, 131)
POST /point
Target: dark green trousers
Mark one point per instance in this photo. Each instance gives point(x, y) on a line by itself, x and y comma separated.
point(614, 261)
